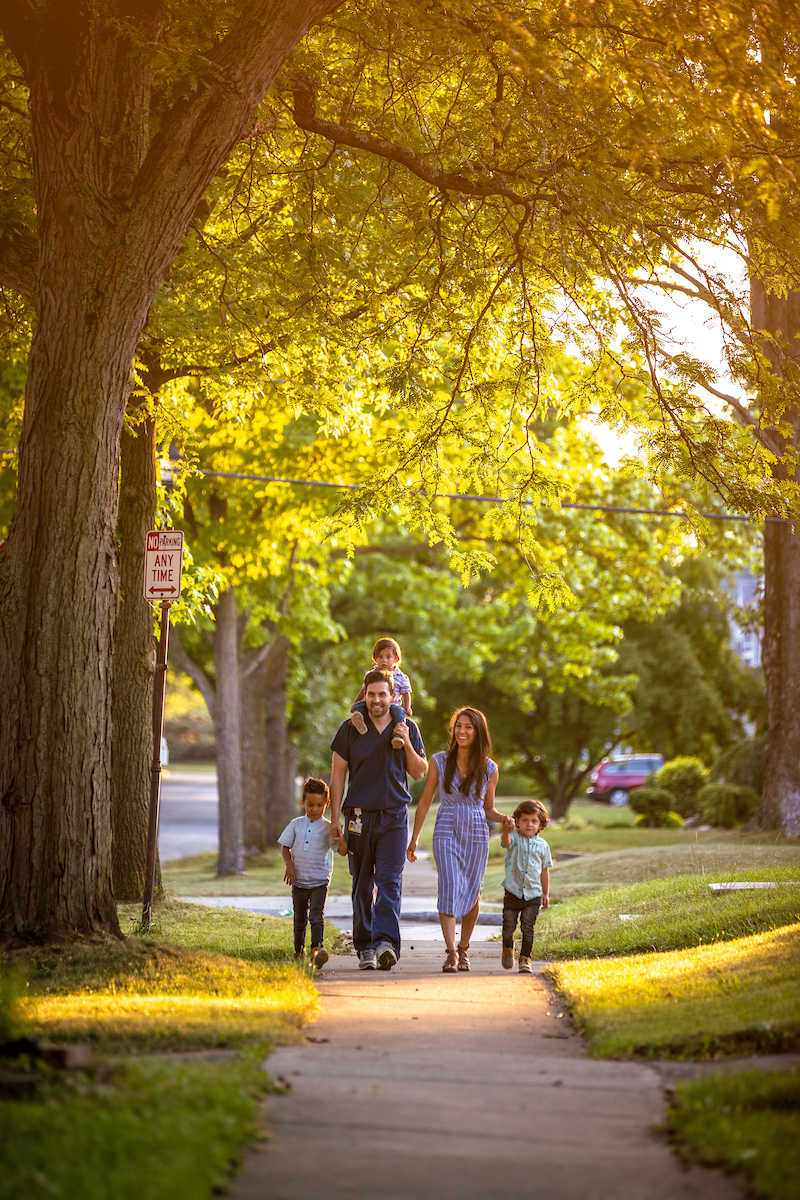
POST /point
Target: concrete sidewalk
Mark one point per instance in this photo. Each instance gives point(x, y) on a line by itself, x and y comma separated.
point(460, 1087)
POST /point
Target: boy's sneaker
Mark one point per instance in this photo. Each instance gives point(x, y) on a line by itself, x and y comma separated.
point(358, 722)
point(525, 966)
point(366, 960)
point(319, 956)
point(299, 956)
point(508, 957)
point(387, 956)
point(397, 742)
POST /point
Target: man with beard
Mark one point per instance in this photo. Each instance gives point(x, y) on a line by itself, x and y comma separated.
point(375, 818)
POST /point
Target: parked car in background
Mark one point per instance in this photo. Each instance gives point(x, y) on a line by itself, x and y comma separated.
point(613, 778)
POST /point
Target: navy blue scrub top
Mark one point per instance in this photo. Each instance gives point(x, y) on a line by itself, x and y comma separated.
point(378, 776)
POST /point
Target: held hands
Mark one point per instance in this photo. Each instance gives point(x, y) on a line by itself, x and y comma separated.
point(337, 833)
point(509, 824)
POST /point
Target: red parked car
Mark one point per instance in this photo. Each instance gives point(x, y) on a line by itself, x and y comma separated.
point(613, 778)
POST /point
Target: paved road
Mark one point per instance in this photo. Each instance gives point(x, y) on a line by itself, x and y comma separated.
point(188, 814)
point(460, 1087)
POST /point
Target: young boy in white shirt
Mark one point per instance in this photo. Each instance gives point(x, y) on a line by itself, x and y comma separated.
point(307, 849)
point(527, 879)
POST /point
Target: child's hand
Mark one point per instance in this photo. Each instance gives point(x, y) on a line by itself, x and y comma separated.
point(545, 901)
point(290, 875)
point(509, 825)
point(411, 852)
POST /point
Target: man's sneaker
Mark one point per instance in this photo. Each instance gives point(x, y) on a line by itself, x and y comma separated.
point(525, 966)
point(387, 956)
point(319, 956)
point(508, 957)
point(366, 960)
point(358, 722)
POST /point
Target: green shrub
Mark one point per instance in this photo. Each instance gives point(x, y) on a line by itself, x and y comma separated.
point(726, 805)
point(661, 820)
point(651, 802)
point(743, 764)
point(683, 778)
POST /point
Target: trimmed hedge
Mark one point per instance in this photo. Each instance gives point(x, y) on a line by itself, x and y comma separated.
point(661, 820)
point(683, 777)
point(726, 805)
point(651, 802)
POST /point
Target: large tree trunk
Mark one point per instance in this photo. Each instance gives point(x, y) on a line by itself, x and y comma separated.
point(134, 668)
point(780, 801)
point(114, 200)
point(254, 686)
point(227, 726)
point(268, 765)
point(281, 764)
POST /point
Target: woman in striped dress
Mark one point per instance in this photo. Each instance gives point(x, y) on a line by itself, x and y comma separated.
point(466, 778)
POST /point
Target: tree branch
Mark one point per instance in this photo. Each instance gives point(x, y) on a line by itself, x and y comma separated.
point(306, 118)
point(184, 662)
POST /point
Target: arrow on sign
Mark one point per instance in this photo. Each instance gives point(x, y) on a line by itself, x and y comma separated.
point(171, 590)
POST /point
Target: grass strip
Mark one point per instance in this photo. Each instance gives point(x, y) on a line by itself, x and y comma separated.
point(153, 1131)
point(667, 914)
point(748, 1122)
point(143, 994)
point(196, 875)
point(620, 868)
point(741, 996)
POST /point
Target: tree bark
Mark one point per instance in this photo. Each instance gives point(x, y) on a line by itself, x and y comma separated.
point(113, 204)
point(134, 668)
point(227, 727)
point(281, 765)
point(780, 800)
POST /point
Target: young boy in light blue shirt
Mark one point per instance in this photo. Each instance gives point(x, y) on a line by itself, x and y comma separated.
point(307, 849)
point(527, 879)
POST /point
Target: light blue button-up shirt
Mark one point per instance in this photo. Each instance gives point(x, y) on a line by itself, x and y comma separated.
point(526, 858)
point(312, 849)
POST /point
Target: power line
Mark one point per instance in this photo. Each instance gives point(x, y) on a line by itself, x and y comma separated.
point(613, 508)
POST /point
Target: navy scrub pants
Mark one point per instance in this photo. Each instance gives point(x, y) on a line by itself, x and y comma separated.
point(377, 856)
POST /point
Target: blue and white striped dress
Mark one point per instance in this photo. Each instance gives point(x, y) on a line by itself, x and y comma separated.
point(460, 842)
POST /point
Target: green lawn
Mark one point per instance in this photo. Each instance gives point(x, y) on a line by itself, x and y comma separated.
point(196, 875)
point(747, 1122)
point(666, 914)
point(734, 997)
point(153, 1131)
point(150, 1127)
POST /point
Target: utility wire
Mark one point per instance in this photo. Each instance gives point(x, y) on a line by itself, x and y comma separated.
point(614, 508)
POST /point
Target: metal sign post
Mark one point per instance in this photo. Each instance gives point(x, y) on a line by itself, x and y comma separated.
point(162, 582)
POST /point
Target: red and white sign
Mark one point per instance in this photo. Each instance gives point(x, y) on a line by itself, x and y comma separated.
point(163, 564)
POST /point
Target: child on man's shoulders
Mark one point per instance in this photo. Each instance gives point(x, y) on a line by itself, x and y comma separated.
point(386, 656)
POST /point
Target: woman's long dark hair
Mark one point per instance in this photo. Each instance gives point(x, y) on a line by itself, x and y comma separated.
point(479, 752)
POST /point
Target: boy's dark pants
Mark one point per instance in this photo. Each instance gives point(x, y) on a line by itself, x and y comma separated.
point(309, 902)
point(527, 911)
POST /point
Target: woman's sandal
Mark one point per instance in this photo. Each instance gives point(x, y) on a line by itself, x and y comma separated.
point(463, 958)
point(450, 966)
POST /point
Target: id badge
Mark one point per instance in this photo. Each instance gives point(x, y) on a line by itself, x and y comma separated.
point(354, 824)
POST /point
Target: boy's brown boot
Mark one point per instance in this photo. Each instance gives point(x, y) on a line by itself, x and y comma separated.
point(318, 956)
point(358, 722)
point(525, 965)
point(508, 957)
